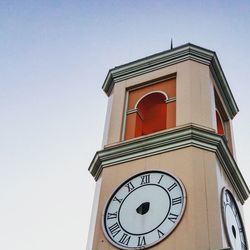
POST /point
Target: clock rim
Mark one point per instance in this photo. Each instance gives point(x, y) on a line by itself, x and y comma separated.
point(122, 184)
point(223, 191)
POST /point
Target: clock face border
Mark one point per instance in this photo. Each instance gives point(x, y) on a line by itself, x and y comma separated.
point(180, 216)
point(223, 191)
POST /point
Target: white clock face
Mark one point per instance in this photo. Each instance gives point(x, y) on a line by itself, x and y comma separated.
point(233, 223)
point(144, 210)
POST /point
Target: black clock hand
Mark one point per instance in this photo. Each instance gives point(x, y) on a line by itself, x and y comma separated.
point(143, 208)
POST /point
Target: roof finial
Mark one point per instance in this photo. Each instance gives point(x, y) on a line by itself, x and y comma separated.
point(171, 45)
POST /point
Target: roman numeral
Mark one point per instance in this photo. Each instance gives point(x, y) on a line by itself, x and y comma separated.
point(228, 198)
point(243, 246)
point(141, 241)
point(176, 201)
point(160, 179)
point(114, 229)
point(160, 233)
point(116, 199)
point(234, 210)
point(125, 239)
point(145, 179)
point(112, 215)
point(173, 217)
point(238, 220)
point(172, 186)
point(130, 186)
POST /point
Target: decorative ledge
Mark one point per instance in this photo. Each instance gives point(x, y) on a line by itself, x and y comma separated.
point(169, 140)
point(169, 57)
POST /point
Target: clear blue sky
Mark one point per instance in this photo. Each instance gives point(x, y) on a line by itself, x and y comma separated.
point(54, 57)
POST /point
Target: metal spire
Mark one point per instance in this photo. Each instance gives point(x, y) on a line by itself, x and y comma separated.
point(171, 45)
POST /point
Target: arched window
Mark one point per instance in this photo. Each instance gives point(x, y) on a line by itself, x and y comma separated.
point(220, 125)
point(152, 110)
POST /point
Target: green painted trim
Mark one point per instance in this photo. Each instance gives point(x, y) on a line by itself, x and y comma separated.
point(227, 248)
point(170, 57)
point(223, 87)
point(169, 140)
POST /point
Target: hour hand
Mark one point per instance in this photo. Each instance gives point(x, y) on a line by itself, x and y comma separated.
point(143, 208)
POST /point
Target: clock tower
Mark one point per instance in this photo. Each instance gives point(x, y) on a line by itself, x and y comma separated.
point(167, 177)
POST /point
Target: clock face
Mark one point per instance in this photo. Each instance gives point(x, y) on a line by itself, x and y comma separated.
point(144, 210)
point(233, 223)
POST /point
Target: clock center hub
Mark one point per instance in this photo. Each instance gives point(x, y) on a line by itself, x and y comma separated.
point(234, 231)
point(143, 208)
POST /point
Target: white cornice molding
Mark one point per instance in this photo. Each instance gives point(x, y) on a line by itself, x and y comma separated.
point(187, 136)
point(169, 57)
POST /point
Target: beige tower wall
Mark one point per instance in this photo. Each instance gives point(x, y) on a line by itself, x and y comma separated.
point(195, 95)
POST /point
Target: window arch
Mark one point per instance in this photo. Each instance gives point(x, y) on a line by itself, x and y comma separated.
point(150, 93)
point(220, 124)
point(152, 111)
point(150, 108)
